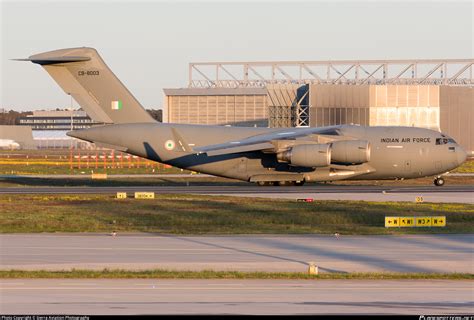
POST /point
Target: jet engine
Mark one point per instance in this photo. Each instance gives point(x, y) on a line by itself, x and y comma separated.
point(307, 155)
point(350, 152)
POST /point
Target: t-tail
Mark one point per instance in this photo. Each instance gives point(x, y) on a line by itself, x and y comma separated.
point(83, 74)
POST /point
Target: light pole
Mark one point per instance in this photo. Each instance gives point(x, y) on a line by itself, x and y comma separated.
point(72, 114)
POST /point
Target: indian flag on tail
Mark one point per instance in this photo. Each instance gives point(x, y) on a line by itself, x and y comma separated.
point(116, 105)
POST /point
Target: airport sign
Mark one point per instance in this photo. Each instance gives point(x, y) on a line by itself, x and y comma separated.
point(435, 221)
point(144, 195)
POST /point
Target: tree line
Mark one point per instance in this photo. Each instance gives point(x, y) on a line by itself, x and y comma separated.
point(11, 117)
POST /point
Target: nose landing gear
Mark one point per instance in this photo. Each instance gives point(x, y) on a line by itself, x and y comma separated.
point(438, 181)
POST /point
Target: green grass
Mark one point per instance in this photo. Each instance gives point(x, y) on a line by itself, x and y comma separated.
point(210, 274)
point(111, 181)
point(466, 167)
point(194, 214)
point(45, 161)
point(53, 167)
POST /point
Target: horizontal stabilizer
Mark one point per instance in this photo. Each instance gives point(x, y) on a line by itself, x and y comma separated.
point(111, 146)
point(54, 60)
point(95, 135)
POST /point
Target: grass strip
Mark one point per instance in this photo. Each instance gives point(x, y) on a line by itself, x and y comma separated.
point(210, 274)
point(196, 214)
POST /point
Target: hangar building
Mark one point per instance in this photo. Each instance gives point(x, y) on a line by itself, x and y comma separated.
point(435, 94)
point(21, 135)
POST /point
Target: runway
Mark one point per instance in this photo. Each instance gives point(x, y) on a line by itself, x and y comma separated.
point(405, 253)
point(455, 193)
point(135, 296)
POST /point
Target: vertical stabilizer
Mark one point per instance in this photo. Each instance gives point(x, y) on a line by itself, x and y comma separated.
point(82, 73)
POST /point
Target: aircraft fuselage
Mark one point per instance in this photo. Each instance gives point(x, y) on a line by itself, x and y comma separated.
point(396, 152)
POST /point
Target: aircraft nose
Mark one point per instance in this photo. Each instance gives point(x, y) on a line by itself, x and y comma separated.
point(461, 155)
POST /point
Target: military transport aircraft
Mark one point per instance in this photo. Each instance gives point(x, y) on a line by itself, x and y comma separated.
point(267, 156)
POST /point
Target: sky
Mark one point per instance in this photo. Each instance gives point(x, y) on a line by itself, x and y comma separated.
point(148, 44)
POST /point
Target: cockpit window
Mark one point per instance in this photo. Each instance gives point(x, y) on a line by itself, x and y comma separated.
point(440, 141)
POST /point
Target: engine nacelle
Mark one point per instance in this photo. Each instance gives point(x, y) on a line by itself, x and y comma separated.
point(307, 155)
point(350, 152)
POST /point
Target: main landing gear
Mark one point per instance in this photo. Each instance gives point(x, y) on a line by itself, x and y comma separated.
point(438, 181)
point(265, 183)
point(280, 183)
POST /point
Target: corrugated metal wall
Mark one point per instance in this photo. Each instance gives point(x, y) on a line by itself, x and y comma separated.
point(404, 96)
point(339, 104)
point(375, 105)
point(405, 105)
point(457, 114)
point(218, 110)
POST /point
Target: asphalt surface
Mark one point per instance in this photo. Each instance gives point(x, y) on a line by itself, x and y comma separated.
point(404, 253)
point(151, 296)
point(457, 193)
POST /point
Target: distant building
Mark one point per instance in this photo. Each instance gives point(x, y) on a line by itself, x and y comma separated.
point(50, 127)
point(57, 120)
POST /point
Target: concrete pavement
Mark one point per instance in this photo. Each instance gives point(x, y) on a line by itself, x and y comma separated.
point(153, 296)
point(397, 253)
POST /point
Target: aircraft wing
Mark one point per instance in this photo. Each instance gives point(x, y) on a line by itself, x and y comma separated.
point(263, 142)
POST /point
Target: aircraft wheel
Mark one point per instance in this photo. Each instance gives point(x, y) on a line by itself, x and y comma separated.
point(299, 183)
point(439, 182)
point(266, 183)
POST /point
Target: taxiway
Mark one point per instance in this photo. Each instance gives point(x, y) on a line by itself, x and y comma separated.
point(401, 253)
point(457, 193)
point(152, 296)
